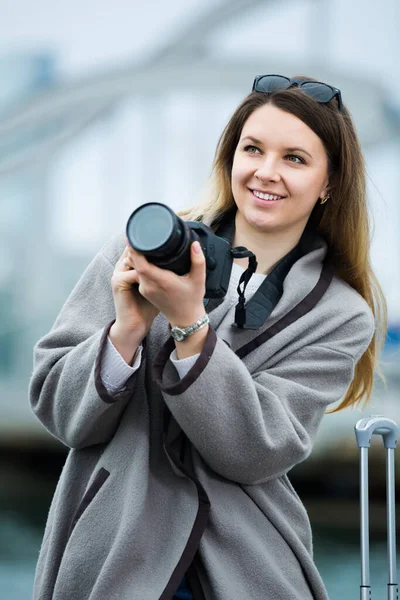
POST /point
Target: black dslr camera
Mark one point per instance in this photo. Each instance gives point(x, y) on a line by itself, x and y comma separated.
point(155, 231)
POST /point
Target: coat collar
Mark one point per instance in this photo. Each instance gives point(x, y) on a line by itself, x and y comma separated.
point(302, 266)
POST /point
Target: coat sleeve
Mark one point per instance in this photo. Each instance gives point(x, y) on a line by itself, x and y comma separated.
point(66, 391)
point(250, 428)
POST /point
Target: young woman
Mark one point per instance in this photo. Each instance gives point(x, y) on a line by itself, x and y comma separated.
point(176, 484)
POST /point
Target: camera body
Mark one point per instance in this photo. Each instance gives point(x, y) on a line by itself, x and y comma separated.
point(155, 231)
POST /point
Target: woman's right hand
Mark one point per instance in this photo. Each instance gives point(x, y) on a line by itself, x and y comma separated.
point(134, 314)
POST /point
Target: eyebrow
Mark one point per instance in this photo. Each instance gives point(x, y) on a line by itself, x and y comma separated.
point(259, 143)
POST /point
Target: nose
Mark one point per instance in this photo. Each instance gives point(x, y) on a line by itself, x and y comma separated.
point(267, 171)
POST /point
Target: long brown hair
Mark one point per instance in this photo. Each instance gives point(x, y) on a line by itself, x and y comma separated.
point(343, 221)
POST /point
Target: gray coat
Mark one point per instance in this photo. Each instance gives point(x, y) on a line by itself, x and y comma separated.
point(175, 476)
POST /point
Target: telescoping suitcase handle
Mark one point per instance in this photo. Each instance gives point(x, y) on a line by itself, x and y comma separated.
point(364, 430)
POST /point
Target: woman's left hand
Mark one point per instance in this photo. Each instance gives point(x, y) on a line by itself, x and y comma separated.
point(178, 297)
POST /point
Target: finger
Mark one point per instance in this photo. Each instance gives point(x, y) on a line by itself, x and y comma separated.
point(151, 273)
point(146, 268)
point(136, 257)
point(198, 268)
point(124, 262)
point(132, 276)
point(127, 263)
point(124, 280)
point(121, 258)
point(123, 265)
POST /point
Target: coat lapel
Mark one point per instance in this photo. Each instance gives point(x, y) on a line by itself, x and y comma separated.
point(302, 279)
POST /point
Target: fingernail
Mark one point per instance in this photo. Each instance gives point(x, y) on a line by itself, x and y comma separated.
point(196, 247)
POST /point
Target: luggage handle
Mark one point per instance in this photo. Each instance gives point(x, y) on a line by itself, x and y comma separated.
point(364, 430)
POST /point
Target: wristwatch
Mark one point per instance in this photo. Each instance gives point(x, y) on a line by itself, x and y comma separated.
point(181, 333)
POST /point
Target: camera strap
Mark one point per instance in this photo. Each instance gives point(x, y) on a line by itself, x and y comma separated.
point(254, 314)
point(242, 252)
point(267, 296)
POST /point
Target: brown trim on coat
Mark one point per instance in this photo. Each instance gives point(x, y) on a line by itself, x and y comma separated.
point(293, 315)
point(100, 478)
point(302, 308)
point(193, 580)
point(127, 390)
point(183, 384)
point(173, 442)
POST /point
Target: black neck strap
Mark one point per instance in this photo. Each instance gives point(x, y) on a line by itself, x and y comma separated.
point(260, 306)
point(242, 252)
point(253, 314)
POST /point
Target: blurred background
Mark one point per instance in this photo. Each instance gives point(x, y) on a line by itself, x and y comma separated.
point(105, 106)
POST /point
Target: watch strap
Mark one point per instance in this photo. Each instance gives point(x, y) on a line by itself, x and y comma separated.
point(181, 333)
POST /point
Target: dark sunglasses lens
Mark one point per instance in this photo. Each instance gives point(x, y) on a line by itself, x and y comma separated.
point(272, 83)
point(319, 91)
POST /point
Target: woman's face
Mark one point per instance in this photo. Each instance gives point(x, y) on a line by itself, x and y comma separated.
point(279, 171)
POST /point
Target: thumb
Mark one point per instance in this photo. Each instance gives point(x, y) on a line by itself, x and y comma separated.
point(198, 260)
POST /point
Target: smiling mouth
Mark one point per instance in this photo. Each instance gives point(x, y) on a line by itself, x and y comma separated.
point(270, 197)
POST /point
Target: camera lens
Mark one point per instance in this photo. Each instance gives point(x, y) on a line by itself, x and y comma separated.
point(154, 230)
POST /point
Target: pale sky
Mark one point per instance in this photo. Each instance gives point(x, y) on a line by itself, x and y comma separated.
point(98, 33)
point(349, 37)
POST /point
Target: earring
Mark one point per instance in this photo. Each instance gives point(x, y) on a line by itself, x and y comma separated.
point(323, 200)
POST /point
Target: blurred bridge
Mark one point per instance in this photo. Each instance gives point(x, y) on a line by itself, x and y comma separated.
point(34, 129)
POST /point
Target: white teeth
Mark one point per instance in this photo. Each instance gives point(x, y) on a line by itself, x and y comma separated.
point(266, 196)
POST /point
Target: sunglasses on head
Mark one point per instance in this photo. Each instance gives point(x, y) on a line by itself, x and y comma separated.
point(322, 92)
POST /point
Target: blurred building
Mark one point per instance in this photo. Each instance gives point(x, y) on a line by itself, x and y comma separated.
point(79, 153)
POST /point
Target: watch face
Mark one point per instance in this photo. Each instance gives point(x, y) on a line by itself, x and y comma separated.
point(178, 334)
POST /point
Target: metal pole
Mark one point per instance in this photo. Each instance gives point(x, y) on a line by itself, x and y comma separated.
point(365, 588)
point(391, 524)
point(389, 430)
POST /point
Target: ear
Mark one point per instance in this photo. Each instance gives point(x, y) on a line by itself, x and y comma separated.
point(325, 189)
